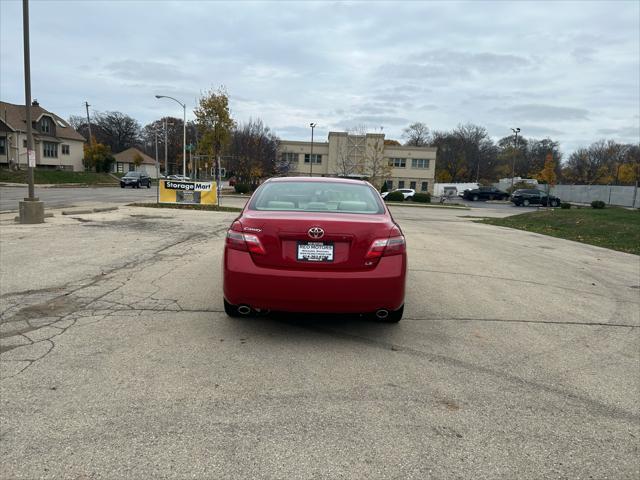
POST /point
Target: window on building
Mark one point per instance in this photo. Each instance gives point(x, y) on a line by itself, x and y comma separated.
point(3, 146)
point(317, 158)
point(289, 157)
point(45, 125)
point(24, 143)
point(398, 162)
point(412, 185)
point(389, 184)
point(401, 184)
point(132, 167)
point(120, 167)
point(420, 163)
point(50, 149)
point(424, 187)
point(65, 149)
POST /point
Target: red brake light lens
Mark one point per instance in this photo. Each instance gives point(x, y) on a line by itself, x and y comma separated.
point(243, 241)
point(384, 247)
point(253, 244)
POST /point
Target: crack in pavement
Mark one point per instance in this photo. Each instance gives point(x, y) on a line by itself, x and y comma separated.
point(593, 406)
point(24, 331)
point(517, 280)
point(512, 320)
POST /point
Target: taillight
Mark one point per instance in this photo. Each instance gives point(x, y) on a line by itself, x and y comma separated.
point(253, 244)
point(384, 247)
point(243, 241)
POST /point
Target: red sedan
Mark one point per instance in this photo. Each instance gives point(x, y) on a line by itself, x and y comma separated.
point(321, 245)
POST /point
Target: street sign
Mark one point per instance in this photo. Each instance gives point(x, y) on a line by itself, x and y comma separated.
point(31, 155)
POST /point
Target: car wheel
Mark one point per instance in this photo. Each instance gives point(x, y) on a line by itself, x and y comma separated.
point(395, 316)
point(149, 184)
point(230, 310)
point(121, 185)
point(554, 203)
point(475, 198)
point(138, 185)
point(525, 203)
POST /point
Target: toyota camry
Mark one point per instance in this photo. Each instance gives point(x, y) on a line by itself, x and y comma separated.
point(318, 245)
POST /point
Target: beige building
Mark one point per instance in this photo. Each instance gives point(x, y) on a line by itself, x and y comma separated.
point(362, 156)
point(56, 143)
point(125, 161)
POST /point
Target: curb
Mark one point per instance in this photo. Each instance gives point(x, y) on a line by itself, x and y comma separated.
point(60, 185)
point(89, 210)
point(413, 205)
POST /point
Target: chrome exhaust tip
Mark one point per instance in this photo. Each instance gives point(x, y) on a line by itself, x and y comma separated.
point(244, 310)
point(382, 314)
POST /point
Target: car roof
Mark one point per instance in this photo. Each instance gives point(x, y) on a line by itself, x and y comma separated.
point(317, 179)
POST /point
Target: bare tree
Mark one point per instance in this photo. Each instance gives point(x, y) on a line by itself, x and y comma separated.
point(376, 168)
point(416, 135)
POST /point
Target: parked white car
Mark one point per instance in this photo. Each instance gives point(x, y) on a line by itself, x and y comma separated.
point(407, 192)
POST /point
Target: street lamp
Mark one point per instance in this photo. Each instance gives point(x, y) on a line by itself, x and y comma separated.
point(184, 132)
point(513, 166)
point(312, 125)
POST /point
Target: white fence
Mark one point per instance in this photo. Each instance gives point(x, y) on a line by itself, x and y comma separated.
point(438, 188)
point(609, 194)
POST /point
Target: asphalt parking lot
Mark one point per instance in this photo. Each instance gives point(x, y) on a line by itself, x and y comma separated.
point(518, 357)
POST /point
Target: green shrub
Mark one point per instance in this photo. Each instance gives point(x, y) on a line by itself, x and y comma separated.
point(394, 197)
point(565, 205)
point(242, 188)
point(422, 198)
point(597, 204)
point(384, 187)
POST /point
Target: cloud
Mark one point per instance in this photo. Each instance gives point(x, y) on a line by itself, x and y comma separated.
point(543, 112)
point(145, 70)
point(625, 132)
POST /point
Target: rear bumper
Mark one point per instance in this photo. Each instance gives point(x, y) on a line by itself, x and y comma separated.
point(314, 291)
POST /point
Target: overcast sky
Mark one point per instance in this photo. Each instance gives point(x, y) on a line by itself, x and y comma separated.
point(568, 70)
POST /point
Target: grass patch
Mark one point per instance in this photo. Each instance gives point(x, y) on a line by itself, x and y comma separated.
point(57, 176)
point(182, 206)
point(614, 228)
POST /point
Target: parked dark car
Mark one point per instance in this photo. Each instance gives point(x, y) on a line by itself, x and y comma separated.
point(528, 197)
point(135, 180)
point(484, 193)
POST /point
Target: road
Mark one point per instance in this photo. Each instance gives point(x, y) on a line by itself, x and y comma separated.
point(68, 197)
point(517, 358)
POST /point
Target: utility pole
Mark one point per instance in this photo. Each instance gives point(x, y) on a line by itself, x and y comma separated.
point(165, 146)
point(513, 167)
point(86, 104)
point(31, 210)
point(155, 131)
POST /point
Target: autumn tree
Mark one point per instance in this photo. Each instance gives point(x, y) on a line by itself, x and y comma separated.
point(253, 150)
point(599, 163)
point(137, 160)
point(214, 123)
point(97, 157)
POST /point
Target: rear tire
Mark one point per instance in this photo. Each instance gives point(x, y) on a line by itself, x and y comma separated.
point(525, 203)
point(554, 203)
point(395, 316)
point(475, 198)
point(230, 310)
point(149, 184)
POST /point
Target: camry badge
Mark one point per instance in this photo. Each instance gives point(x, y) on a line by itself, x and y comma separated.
point(316, 232)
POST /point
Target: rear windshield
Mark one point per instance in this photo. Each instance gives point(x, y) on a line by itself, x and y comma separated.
point(132, 174)
point(317, 197)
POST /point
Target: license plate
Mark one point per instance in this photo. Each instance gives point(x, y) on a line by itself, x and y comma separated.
point(315, 252)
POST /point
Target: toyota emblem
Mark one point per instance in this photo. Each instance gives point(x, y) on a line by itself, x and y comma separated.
point(316, 232)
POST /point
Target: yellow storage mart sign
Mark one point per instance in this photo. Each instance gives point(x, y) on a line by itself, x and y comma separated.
point(200, 193)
